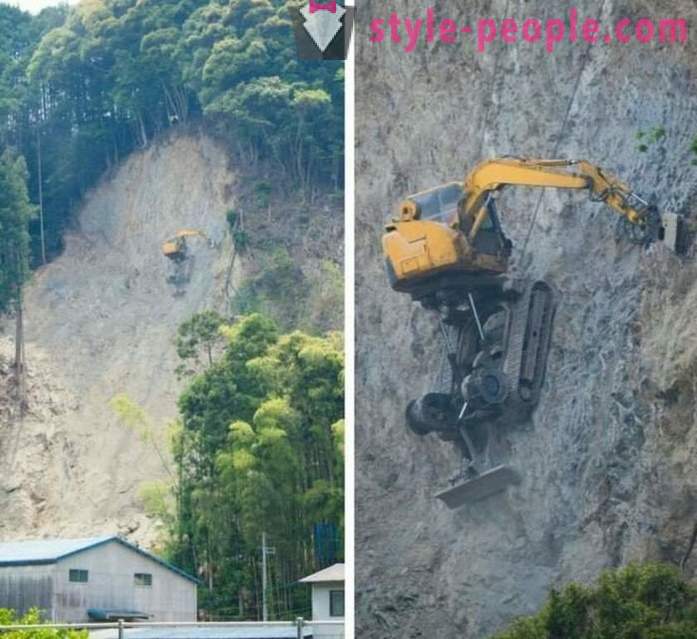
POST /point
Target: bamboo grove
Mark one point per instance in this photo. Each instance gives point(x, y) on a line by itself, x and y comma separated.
point(258, 448)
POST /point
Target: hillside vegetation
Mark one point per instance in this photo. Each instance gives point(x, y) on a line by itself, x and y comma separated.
point(81, 88)
point(258, 449)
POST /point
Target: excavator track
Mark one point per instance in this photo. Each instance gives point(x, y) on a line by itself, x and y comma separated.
point(500, 385)
point(528, 339)
point(525, 342)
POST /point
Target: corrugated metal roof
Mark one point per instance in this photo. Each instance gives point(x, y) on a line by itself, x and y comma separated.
point(48, 551)
point(44, 551)
point(333, 573)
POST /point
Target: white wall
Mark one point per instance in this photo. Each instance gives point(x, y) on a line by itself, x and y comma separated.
point(327, 631)
point(320, 611)
point(111, 584)
point(320, 600)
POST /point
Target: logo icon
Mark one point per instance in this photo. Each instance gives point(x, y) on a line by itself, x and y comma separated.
point(322, 30)
point(322, 22)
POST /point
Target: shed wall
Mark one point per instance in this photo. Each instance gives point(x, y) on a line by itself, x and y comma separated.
point(111, 584)
point(25, 587)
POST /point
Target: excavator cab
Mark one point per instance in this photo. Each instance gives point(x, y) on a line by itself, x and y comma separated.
point(427, 249)
point(490, 240)
point(175, 248)
point(443, 204)
point(439, 204)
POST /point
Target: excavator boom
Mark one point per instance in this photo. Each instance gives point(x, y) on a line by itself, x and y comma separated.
point(493, 175)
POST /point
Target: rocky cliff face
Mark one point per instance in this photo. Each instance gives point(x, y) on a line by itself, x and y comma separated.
point(101, 320)
point(608, 473)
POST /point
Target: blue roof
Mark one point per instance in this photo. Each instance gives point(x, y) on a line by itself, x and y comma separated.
point(218, 633)
point(44, 551)
point(49, 551)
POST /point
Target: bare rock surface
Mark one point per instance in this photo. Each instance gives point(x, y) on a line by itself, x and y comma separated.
point(608, 464)
point(101, 320)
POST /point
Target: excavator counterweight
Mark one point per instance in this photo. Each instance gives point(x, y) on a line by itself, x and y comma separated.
point(447, 249)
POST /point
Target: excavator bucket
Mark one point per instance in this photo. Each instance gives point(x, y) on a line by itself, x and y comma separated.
point(479, 487)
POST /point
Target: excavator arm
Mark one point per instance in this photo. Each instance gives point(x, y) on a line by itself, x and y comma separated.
point(452, 231)
point(190, 233)
point(494, 175)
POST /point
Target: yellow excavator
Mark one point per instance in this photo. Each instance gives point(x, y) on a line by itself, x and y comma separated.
point(448, 251)
point(175, 248)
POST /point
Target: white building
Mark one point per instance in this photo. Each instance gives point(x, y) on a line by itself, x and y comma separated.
point(327, 601)
point(96, 579)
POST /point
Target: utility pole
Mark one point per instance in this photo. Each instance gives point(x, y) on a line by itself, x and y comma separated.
point(265, 551)
point(19, 347)
point(41, 194)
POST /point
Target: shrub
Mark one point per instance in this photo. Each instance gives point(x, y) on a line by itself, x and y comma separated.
point(650, 601)
point(262, 193)
point(232, 216)
point(33, 617)
point(241, 240)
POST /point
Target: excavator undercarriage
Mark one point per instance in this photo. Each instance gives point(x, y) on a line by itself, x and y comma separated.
point(497, 340)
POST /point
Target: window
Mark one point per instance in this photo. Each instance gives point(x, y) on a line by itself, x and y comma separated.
point(336, 603)
point(439, 204)
point(78, 576)
point(143, 579)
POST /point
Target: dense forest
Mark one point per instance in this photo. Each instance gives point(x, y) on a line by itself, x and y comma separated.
point(82, 87)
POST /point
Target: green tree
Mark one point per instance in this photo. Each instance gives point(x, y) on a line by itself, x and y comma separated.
point(82, 87)
point(15, 213)
point(651, 601)
point(198, 340)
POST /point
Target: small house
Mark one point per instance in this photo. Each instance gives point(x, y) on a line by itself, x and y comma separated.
point(327, 601)
point(95, 579)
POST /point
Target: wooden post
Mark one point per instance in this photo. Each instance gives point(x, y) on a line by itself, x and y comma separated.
point(19, 356)
point(41, 195)
point(265, 609)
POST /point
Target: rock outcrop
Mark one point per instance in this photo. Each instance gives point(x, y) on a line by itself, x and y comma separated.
point(101, 320)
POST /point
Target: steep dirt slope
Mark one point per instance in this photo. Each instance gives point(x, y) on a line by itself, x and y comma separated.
point(100, 320)
point(607, 464)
